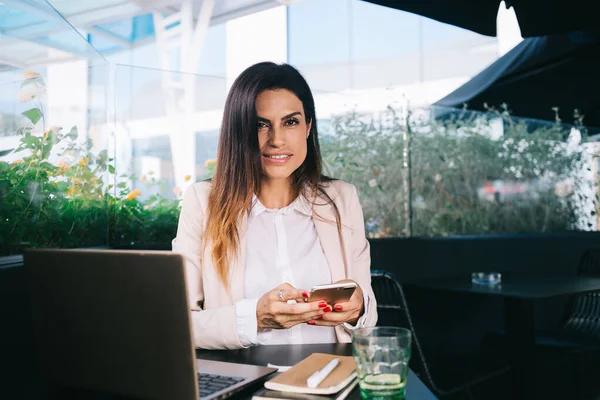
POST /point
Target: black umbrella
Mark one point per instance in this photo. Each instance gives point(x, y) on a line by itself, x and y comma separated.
point(539, 74)
point(536, 17)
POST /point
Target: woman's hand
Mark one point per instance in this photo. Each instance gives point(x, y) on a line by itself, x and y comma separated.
point(273, 313)
point(349, 311)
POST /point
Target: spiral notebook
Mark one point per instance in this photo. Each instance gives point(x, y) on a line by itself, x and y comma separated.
point(294, 379)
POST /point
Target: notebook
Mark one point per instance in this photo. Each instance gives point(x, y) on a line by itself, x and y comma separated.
point(294, 379)
point(266, 394)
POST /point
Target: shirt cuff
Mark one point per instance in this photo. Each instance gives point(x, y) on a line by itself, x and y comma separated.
point(361, 321)
point(245, 319)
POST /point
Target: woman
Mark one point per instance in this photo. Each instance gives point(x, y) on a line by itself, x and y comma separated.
point(269, 226)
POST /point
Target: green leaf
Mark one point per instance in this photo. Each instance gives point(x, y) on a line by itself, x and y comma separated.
point(111, 169)
point(30, 141)
point(62, 186)
point(73, 133)
point(103, 155)
point(33, 114)
point(49, 142)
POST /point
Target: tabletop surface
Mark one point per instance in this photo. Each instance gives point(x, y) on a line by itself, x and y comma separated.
point(516, 286)
point(287, 355)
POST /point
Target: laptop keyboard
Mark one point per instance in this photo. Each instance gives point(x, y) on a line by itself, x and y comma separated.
point(212, 383)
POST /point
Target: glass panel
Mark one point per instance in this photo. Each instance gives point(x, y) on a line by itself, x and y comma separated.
point(132, 29)
point(321, 50)
point(72, 7)
point(471, 173)
point(369, 150)
point(53, 139)
point(167, 127)
point(360, 46)
point(489, 173)
point(34, 33)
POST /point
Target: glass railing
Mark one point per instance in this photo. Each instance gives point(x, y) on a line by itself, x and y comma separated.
point(419, 172)
point(442, 172)
point(54, 156)
point(32, 33)
point(167, 132)
point(167, 129)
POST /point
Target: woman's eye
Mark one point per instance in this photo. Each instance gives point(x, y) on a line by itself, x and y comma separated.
point(292, 121)
point(261, 125)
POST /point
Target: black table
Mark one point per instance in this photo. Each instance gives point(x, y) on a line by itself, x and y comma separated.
point(292, 354)
point(519, 293)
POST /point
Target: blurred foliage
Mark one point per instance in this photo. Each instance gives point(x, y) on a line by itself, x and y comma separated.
point(69, 204)
point(465, 178)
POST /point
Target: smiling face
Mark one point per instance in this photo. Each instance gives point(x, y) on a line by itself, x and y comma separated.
point(282, 133)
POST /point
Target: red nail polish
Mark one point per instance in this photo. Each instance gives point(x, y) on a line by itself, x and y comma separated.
point(311, 322)
point(322, 304)
point(305, 294)
point(337, 307)
point(327, 309)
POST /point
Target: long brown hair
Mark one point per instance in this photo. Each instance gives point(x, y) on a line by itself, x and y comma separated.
point(238, 172)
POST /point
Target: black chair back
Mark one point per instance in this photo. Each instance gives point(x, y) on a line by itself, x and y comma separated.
point(388, 293)
point(583, 320)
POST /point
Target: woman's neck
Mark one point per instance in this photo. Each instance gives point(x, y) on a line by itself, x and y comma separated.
point(276, 193)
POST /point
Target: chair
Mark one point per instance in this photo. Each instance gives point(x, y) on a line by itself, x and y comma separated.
point(389, 295)
point(392, 309)
point(580, 330)
point(577, 336)
point(580, 327)
point(583, 321)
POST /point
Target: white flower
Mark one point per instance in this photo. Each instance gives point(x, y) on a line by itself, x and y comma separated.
point(28, 93)
point(373, 183)
point(564, 188)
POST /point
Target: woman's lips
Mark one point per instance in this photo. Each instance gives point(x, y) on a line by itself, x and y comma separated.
point(277, 159)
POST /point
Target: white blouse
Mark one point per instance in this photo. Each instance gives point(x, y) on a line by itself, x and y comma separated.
point(282, 246)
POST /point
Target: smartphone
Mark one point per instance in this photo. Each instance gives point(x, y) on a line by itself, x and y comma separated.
point(332, 293)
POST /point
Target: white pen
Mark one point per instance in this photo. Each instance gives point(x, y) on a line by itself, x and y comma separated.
point(315, 379)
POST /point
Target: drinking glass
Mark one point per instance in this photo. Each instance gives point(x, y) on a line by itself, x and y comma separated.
point(382, 355)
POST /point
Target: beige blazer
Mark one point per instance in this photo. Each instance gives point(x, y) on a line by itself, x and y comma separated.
point(213, 307)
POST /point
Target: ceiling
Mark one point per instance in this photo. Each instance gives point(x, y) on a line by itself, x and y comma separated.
point(34, 32)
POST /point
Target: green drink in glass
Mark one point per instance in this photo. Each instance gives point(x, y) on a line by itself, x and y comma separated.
point(382, 356)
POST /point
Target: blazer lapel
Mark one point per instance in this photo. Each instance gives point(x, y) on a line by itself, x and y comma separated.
point(324, 220)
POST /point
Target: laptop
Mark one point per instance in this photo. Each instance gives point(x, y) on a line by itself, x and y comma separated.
point(118, 322)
